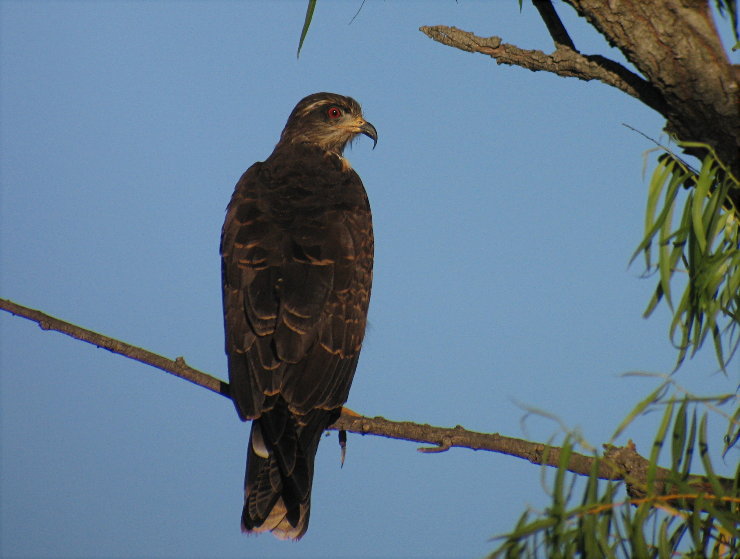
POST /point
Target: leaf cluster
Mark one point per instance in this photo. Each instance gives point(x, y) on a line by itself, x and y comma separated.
point(728, 9)
point(697, 252)
point(674, 514)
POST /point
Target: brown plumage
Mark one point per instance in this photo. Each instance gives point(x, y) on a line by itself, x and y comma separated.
point(297, 257)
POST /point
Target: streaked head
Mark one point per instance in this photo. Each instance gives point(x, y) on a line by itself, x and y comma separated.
point(328, 120)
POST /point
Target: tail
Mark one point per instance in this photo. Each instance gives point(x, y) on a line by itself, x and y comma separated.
point(280, 464)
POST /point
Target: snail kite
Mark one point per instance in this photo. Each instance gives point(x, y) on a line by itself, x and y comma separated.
point(297, 257)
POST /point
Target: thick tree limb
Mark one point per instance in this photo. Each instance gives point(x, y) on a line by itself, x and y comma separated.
point(618, 463)
point(675, 45)
point(565, 61)
point(686, 74)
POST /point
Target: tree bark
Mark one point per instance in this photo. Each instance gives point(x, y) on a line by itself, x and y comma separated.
point(675, 45)
point(685, 72)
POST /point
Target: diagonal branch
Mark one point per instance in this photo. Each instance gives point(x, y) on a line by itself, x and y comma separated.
point(554, 24)
point(618, 463)
point(565, 61)
point(445, 438)
point(178, 367)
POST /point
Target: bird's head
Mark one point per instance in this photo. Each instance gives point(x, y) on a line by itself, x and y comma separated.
point(327, 120)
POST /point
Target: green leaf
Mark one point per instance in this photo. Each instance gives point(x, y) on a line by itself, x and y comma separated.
point(640, 408)
point(664, 260)
point(706, 459)
point(703, 185)
point(732, 437)
point(306, 24)
point(728, 8)
point(707, 242)
point(678, 437)
point(660, 438)
point(691, 441)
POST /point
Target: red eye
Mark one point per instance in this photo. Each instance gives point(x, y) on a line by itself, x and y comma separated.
point(334, 112)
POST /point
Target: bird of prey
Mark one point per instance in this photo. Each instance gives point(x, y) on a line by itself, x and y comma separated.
point(297, 257)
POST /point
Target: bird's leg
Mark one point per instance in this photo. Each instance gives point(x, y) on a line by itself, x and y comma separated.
point(343, 434)
point(342, 446)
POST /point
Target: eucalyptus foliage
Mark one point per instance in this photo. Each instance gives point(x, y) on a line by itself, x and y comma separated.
point(692, 242)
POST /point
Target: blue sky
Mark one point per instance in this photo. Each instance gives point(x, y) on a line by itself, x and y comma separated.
point(506, 207)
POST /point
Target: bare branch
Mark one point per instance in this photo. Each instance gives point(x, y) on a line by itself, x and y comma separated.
point(445, 438)
point(618, 463)
point(178, 367)
point(685, 73)
point(565, 61)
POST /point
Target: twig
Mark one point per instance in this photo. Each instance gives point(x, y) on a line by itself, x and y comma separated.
point(357, 13)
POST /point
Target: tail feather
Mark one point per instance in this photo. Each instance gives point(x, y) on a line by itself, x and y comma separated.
point(280, 464)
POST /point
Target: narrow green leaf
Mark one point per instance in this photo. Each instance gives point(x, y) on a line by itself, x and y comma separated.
point(527, 529)
point(640, 408)
point(732, 437)
point(684, 325)
point(558, 505)
point(728, 9)
point(690, 442)
point(662, 539)
point(659, 178)
point(706, 459)
point(664, 260)
point(658, 443)
point(713, 209)
point(306, 24)
point(717, 342)
point(701, 192)
point(717, 225)
point(679, 242)
point(654, 300)
point(660, 175)
point(678, 437)
point(640, 547)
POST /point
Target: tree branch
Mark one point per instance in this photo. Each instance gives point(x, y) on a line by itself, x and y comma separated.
point(686, 74)
point(565, 61)
point(676, 46)
point(178, 367)
point(618, 463)
point(554, 24)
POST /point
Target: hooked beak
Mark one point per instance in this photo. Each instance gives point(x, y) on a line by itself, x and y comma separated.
point(369, 131)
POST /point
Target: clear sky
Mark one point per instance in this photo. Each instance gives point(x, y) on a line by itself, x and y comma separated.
point(506, 207)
